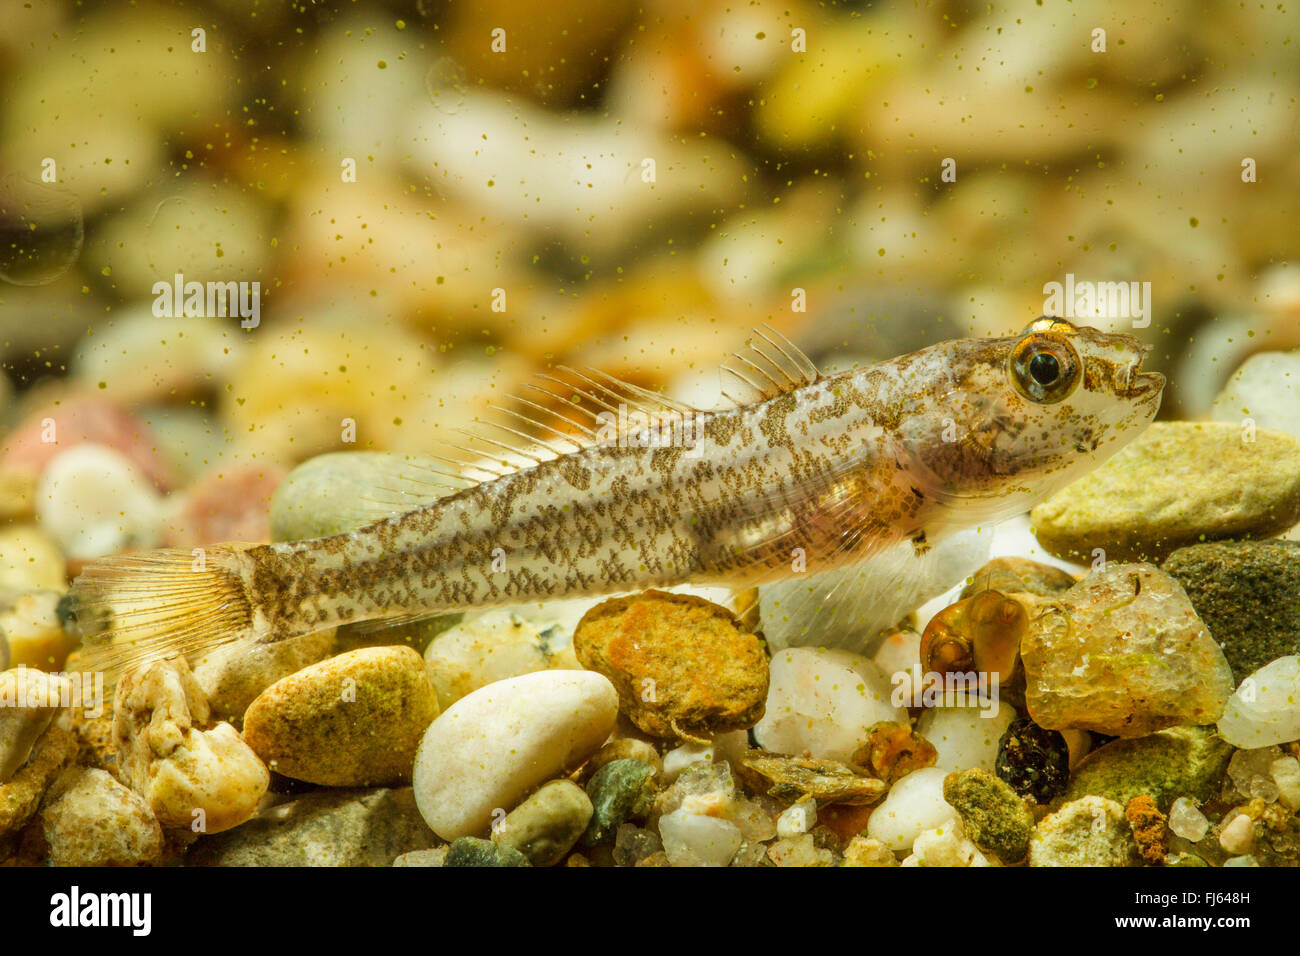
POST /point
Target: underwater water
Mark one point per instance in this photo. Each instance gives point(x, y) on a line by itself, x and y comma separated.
point(652, 434)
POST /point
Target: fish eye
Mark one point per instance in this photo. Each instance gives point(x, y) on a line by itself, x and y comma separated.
point(1044, 368)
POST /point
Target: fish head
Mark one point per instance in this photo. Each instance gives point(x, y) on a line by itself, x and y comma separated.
point(1017, 418)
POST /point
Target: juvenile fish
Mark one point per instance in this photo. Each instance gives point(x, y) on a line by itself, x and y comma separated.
point(804, 473)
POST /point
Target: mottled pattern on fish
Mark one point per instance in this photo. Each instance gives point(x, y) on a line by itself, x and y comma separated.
point(837, 467)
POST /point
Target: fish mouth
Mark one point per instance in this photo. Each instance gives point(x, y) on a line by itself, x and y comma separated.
point(1137, 383)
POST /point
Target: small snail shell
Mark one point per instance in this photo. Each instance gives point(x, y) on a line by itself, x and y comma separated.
point(981, 633)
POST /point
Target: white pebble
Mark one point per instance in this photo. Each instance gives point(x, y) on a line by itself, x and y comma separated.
point(94, 501)
point(797, 819)
point(1265, 710)
point(494, 646)
point(1187, 821)
point(822, 702)
point(1264, 389)
point(914, 804)
point(678, 759)
point(945, 845)
point(965, 737)
point(693, 839)
point(1238, 836)
point(899, 656)
point(492, 746)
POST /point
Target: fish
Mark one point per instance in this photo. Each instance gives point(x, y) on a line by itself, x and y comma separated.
point(798, 473)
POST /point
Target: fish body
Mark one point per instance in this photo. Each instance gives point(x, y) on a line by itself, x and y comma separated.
point(808, 474)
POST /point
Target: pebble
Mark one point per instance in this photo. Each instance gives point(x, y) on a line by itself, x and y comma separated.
point(32, 629)
point(798, 778)
point(823, 702)
point(1250, 772)
point(1033, 761)
point(202, 780)
point(1182, 761)
point(619, 791)
point(320, 497)
point(1265, 709)
point(22, 793)
point(548, 824)
point(323, 828)
point(80, 420)
point(17, 495)
point(867, 851)
point(355, 719)
point(801, 850)
point(1237, 835)
point(1187, 821)
point(1285, 772)
point(632, 844)
point(89, 819)
point(1150, 829)
point(233, 676)
point(435, 857)
point(473, 851)
point(798, 818)
point(683, 666)
point(1123, 653)
point(1248, 595)
point(29, 702)
point(136, 364)
point(693, 839)
point(899, 656)
point(914, 804)
point(965, 737)
point(494, 646)
point(94, 501)
point(30, 560)
point(993, 814)
point(623, 748)
point(679, 758)
point(1090, 831)
point(226, 505)
point(1264, 389)
point(1019, 576)
point(494, 745)
point(1178, 484)
point(96, 746)
point(945, 845)
point(701, 786)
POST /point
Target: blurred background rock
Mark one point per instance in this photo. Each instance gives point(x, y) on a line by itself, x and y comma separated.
point(794, 146)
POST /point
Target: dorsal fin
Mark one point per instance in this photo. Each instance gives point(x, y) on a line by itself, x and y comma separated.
point(771, 365)
point(595, 406)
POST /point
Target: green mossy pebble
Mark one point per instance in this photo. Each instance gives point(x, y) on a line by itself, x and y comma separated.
point(472, 851)
point(994, 815)
point(618, 793)
point(1181, 761)
point(546, 825)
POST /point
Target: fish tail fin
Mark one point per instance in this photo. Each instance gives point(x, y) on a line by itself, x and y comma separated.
point(156, 604)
